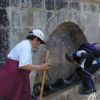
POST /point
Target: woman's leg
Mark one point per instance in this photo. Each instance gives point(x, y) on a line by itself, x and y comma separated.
point(14, 83)
point(87, 81)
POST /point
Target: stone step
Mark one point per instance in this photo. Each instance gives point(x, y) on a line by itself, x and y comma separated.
point(71, 93)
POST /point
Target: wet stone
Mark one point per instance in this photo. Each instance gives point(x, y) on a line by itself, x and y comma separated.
point(55, 4)
point(3, 44)
point(3, 35)
point(37, 3)
point(15, 18)
point(49, 14)
point(49, 4)
point(60, 4)
point(75, 5)
point(92, 8)
point(15, 2)
point(3, 18)
point(4, 3)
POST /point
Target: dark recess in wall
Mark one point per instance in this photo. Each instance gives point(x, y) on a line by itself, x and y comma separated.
point(3, 31)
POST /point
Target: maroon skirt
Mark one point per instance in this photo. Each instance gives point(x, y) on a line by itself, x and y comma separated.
point(14, 82)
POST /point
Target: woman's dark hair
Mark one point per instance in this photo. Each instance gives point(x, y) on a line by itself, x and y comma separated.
point(32, 37)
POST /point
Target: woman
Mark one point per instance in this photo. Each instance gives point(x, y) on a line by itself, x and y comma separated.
point(14, 76)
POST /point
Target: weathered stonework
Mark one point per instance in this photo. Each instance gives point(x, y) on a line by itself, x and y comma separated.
point(53, 17)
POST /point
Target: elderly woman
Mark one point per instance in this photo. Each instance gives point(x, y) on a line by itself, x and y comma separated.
point(14, 76)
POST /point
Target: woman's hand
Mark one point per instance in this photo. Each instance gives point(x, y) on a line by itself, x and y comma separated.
point(44, 66)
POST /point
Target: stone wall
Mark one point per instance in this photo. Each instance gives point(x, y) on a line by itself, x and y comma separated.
point(21, 16)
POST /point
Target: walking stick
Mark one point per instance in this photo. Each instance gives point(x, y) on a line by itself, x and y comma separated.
point(44, 76)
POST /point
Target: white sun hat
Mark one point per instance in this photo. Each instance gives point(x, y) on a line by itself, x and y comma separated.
point(38, 33)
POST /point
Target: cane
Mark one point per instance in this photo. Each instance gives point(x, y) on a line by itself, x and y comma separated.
point(44, 76)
